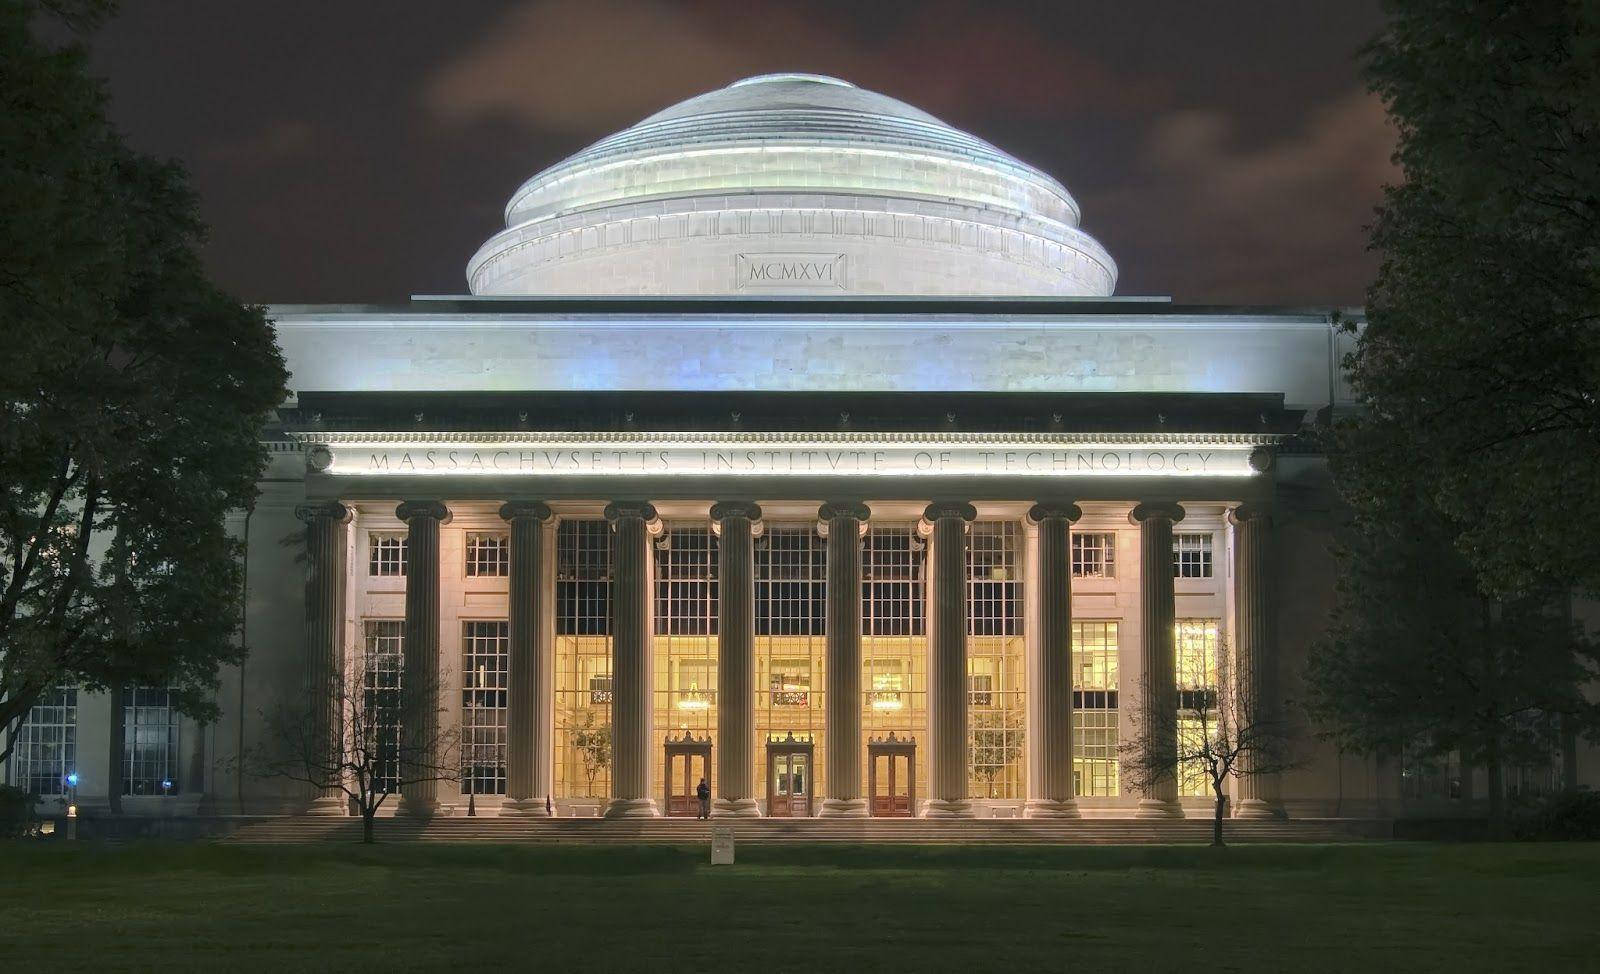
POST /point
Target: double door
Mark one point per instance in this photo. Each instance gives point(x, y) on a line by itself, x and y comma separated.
point(789, 790)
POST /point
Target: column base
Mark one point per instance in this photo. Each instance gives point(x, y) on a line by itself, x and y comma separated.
point(1259, 808)
point(632, 808)
point(843, 808)
point(1158, 808)
point(331, 806)
point(735, 808)
point(523, 808)
point(417, 807)
point(1051, 808)
point(947, 808)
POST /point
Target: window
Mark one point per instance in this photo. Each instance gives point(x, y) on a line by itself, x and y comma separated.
point(485, 662)
point(891, 582)
point(994, 583)
point(1195, 643)
point(791, 616)
point(46, 747)
point(686, 583)
point(1191, 555)
point(583, 578)
point(791, 682)
point(1094, 709)
point(488, 555)
point(791, 583)
point(150, 742)
point(886, 683)
point(386, 554)
point(693, 688)
point(1094, 554)
point(894, 644)
point(382, 668)
point(1425, 776)
point(583, 659)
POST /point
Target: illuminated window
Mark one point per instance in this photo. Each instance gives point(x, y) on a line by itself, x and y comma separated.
point(894, 644)
point(382, 666)
point(995, 660)
point(488, 555)
point(1094, 709)
point(583, 659)
point(1191, 555)
point(791, 616)
point(891, 582)
point(485, 661)
point(886, 683)
point(686, 583)
point(693, 683)
point(46, 744)
point(386, 554)
point(1094, 554)
point(150, 742)
point(1195, 643)
point(790, 682)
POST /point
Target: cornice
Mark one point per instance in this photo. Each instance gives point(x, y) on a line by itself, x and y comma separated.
point(310, 438)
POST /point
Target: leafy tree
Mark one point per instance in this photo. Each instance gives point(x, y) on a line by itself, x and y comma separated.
point(994, 743)
point(1482, 351)
point(593, 743)
point(131, 399)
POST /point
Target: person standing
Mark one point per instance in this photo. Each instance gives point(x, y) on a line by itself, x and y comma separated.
point(703, 792)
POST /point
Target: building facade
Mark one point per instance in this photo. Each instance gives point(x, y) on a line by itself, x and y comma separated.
point(793, 439)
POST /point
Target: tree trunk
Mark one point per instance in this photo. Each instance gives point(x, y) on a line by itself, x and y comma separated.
point(366, 826)
point(1497, 790)
point(118, 744)
point(1216, 816)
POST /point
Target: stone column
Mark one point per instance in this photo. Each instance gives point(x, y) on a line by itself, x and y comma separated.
point(1050, 786)
point(1255, 653)
point(843, 523)
point(531, 697)
point(737, 523)
point(632, 525)
point(325, 667)
point(1158, 696)
point(946, 524)
point(421, 764)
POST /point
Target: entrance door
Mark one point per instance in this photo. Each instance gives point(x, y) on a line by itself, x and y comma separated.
point(791, 785)
point(681, 799)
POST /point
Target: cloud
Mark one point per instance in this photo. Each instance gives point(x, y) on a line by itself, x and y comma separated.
point(595, 65)
point(1282, 219)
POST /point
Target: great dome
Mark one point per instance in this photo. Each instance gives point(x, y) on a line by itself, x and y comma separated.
point(792, 184)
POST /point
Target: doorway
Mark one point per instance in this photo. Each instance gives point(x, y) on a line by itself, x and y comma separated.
point(790, 762)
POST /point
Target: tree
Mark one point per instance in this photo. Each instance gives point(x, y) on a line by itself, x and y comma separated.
point(365, 737)
point(1482, 352)
point(1421, 661)
point(593, 743)
point(130, 403)
point(995, 742)
point(1216, 731)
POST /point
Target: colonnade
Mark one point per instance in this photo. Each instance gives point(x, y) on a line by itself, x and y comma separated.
point(1050, 792)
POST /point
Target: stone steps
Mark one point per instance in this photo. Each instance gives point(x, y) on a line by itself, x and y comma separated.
point(867, 831)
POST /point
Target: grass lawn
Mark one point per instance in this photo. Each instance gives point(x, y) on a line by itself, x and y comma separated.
point(235, 909)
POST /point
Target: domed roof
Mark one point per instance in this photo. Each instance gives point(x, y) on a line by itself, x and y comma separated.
point(785, 166)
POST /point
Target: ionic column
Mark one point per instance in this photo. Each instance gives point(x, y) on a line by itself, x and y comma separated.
point(1158, 697)
point(325, 586)
point(1254, 653)
point(531, 699)
point(843, 523)
point(632, 525)
point(421, 764)
point(737, 523)
point(946, 524)
point(1050, 788)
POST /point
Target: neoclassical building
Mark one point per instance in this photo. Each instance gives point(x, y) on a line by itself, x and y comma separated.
point(793, 439)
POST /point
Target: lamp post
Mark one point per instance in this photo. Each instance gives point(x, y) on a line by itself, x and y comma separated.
point(72, 804)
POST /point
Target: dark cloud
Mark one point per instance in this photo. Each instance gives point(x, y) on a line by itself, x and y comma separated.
point(358, 152)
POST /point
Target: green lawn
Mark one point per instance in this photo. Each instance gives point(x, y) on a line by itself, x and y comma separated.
point(234, 909)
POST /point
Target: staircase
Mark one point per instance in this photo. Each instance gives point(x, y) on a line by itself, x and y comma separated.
point(664, 831)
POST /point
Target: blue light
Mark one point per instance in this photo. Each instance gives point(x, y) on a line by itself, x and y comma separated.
point(72, 779)
point(166, 784)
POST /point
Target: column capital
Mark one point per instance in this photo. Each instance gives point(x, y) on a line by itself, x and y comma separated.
point(943, 509)
point(749, 510)
point(328, 509)
point(643, 510)
point(434, 509)
point(1249, 512)
point(1150, 510)
point(538, 510)
point(1057, 508)
point(833, 509)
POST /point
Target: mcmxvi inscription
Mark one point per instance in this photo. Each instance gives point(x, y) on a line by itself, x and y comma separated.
point(789, 271)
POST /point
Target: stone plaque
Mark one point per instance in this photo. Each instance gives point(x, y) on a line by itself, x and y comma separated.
point(790, 271)
point(721, 846)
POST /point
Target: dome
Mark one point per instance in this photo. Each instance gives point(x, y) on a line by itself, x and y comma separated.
point(791, 184)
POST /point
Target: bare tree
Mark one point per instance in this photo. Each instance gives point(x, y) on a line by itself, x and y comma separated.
point(367, 736)
point(1217, 729)
point(593, 743)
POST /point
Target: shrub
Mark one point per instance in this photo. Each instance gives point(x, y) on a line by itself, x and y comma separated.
point(16, 812)
point(1569, 816)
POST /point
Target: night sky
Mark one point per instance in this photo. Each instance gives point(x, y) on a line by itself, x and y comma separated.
point(360, 151)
